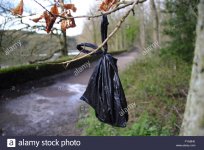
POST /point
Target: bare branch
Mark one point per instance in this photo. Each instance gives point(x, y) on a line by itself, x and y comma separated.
point(18, 16)
point(125, 4)
point(44, 59)
point(44, 8)
point(108, 38)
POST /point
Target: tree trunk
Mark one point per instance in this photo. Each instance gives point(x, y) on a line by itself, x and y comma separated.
point(159, 19)
point(155, 21)
point(64, 42)
point(121, 40)
point(142, 27)
point(193, 122)
point(94, 29)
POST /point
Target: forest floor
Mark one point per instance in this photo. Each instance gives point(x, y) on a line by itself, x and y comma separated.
point(49, 106)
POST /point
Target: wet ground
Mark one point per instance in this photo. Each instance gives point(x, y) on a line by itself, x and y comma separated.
point(49, 106)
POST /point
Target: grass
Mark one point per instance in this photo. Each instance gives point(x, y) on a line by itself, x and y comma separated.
point(158, 87)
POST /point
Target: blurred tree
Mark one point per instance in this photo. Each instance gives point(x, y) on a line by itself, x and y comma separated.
point(155, 20)
point(180, 27)
point(124, 39)
point(142, 26)
point(5, 19)
point(158, 2)
point(64, 41)
point(7, 37)
point(132, 30)
point(193, 123)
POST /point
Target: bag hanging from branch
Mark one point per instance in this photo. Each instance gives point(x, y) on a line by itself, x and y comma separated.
point(104, 91)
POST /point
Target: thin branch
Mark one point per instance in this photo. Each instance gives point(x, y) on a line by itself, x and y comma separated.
point(46, 58)
point(177, 126)
point(44, 8)
point(4, 9)
point(107, 39)
point(133, 3)
point(126, 3)
point(108, 12)
point(176, 110)
point(8, 10)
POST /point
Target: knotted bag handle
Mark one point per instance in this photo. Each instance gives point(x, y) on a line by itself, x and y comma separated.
point(82, 48)
point(104, 29)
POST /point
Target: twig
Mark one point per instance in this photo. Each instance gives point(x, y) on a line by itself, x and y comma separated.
point(126, 4)
point(183, 91)
point(133, 3)
point(46, 58)
point(19, 16)
point(177, 126)
point(176, 110)
point(4, 9)
point(106, 13)
point(95, 16)
point(109, 36)
point(44, 7)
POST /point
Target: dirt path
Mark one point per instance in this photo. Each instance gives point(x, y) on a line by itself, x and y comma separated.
point(49, 106)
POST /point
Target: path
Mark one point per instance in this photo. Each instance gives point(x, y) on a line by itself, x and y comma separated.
point(49, 106)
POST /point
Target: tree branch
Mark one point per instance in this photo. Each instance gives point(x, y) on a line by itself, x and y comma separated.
point(126, 3)
point(44, 59)
point(108, 38)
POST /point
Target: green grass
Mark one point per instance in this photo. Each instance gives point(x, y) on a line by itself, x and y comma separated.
point(158, 87)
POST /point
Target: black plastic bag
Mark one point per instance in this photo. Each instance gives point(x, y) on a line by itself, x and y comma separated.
point(104, 91)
